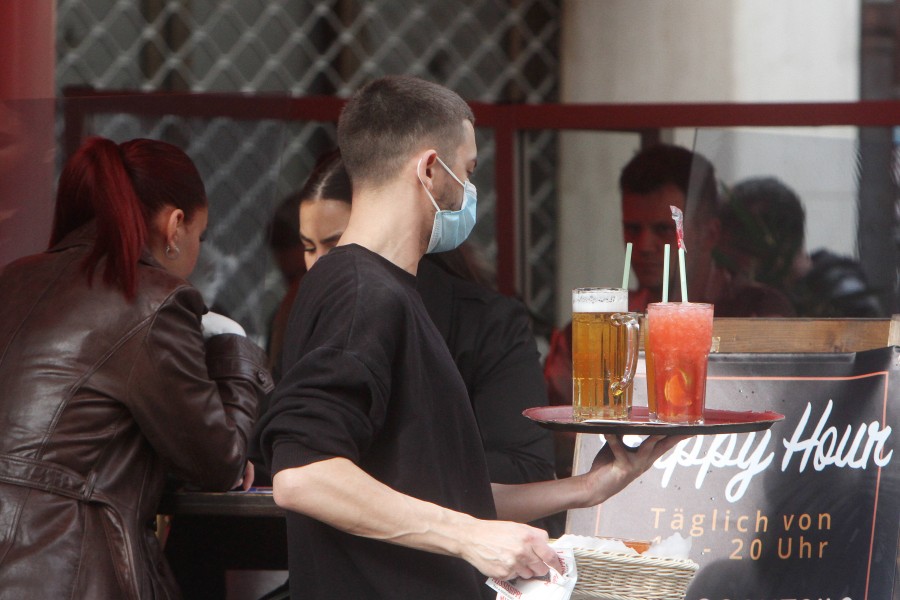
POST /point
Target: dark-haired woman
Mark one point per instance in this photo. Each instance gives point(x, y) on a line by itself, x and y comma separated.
point(112, 376)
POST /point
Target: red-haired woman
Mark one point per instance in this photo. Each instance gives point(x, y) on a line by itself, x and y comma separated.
point(112, 376)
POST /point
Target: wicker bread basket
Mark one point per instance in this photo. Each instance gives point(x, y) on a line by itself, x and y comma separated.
point(617, 576)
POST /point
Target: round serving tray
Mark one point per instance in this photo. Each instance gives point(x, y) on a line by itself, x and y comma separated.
point(559, 418)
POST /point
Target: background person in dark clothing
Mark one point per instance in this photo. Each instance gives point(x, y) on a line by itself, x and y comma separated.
point(836, 286)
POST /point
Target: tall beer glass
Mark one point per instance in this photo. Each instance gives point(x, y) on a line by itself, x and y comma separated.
point(604, 353)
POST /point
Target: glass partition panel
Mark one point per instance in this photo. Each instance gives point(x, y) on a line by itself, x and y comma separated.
point(841, 258)
point(589, 247)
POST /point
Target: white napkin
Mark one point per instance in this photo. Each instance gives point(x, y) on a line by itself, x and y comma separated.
point(673, 546)
point(214, 324)
point(587, 542)
point(553, 586)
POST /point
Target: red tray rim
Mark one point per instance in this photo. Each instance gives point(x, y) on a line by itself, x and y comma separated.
point(559, 418)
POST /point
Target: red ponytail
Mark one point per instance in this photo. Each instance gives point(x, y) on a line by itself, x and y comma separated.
point(122, 187)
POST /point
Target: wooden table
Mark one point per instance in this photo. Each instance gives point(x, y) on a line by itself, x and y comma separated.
point(238, 504)
point(211, 533)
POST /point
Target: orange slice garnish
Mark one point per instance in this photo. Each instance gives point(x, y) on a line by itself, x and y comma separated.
point(678, 389)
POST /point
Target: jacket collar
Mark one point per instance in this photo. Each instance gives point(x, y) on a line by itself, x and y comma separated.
point(85, 236)
point(81, 236)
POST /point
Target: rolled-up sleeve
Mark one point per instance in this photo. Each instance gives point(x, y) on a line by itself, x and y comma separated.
point(328, 405)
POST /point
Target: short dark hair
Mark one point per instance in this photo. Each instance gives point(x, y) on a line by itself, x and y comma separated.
point(769, 205)
point(660, 165)
point(763, 216)
point(390, 118)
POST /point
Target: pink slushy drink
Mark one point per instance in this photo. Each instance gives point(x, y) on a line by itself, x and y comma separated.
point(677, 344)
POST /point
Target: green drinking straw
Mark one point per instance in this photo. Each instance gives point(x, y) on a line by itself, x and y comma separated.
point(665, 281)
point(627, 266)
point(684, 297)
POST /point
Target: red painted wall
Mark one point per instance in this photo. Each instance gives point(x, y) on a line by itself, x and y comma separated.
point(27, 112)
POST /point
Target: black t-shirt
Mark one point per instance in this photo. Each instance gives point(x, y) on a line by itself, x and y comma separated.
point(368, 377)
point(491, 342)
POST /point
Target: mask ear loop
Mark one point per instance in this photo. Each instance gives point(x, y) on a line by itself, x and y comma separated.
point(465, 184)
point(452, 174)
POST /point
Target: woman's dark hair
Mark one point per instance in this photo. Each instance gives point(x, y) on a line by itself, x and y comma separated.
point(329, 179)
point(764, 217)
point(122, 187)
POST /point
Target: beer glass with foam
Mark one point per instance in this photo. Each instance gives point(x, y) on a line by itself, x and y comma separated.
point(604, 353)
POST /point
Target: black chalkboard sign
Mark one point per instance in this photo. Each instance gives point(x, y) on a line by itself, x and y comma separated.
point(809, 509)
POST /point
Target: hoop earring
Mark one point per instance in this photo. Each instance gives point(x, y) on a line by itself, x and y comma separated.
point(172, 252)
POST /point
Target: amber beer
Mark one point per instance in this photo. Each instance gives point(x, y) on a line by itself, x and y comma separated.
point(604, 353)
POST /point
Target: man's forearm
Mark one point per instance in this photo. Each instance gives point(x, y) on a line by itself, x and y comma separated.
point(614, 467)
point(339, 493)
point(342, 495)
point(527, 502)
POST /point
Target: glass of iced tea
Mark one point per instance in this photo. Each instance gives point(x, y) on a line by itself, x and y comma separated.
point(677, 341)
point(605, 340)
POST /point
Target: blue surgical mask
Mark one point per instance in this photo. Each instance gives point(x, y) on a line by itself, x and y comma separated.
point(452, 227)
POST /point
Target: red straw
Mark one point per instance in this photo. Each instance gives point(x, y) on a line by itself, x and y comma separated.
point(678, 216)
point(679, 232)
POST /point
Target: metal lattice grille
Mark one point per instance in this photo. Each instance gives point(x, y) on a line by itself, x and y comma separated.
point(487, 50)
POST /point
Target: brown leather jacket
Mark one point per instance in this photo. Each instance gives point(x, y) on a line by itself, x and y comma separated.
point(99, 398)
